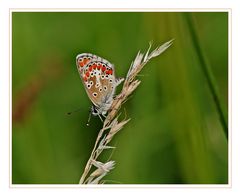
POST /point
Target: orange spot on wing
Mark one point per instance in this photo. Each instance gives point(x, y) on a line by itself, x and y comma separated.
point(109, 72)
point(87, 74)
point(99, 67)
point(85, 61)
point(81, 64)
point(103, 69)
point(94, 66)
point(85, 78)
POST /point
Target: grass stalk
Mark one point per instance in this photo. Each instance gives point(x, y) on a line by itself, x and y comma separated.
point(111, 124)
point(207, 71)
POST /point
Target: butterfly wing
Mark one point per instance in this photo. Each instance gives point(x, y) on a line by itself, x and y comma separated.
point(83, 59)
point(98, 77)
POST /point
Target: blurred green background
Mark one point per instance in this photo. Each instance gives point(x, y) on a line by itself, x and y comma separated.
point(176, 133)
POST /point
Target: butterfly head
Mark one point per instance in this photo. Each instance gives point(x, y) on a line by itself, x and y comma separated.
point(95, 111)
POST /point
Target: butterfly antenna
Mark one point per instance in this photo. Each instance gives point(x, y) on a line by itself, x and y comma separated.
point(89, 118)
point(69, 113)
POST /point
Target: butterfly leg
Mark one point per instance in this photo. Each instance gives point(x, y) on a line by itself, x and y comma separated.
point(104, 115)
point(95, 112)
point(99, 115)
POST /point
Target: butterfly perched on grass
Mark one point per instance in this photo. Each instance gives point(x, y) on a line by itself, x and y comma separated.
point(99, 80)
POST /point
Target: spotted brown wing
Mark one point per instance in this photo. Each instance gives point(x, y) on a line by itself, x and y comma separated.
point(83, 59)
point(98, 77)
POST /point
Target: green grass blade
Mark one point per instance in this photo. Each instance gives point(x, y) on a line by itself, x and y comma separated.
point(205, 66)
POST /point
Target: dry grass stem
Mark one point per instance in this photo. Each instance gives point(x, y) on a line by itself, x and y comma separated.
point(111, 125)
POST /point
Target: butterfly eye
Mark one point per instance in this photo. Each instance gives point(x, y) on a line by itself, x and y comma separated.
point(91, 82)
point(100, 89)
point(102, 76)
point(80, 59)
point(110, 80)
point(89, 86)
point(105, 88)
point(89, 58)
point(94, 94)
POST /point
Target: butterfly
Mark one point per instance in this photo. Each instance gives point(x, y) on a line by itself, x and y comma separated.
point(99, 80)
